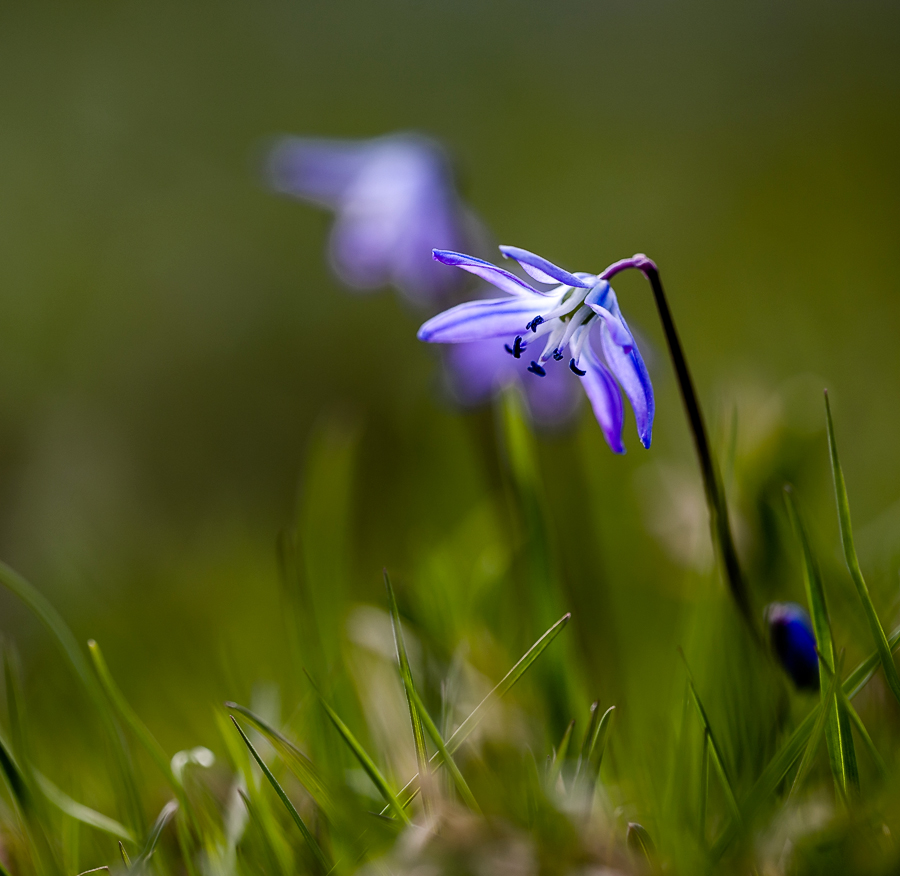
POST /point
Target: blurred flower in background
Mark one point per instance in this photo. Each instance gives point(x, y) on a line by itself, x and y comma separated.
point(566, 316)
point(395, 201)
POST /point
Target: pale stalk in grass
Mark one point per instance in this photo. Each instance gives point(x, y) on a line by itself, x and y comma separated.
point(843, 506)
point(456, 739)
point(839, 739)
point(409, 688)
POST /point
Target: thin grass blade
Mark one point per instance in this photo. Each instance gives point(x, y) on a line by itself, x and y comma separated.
point(809, 753)
point(456, 739)
point(559, 756)
point(410, 689)
point(164, 817)
point(78, 811)
point(94, 870)
point(843, 504)
point(296, 761)
point(310, 840)
point(68, 645)
point(365, 761)
point(125, 859)
point(839, 739)
point(783, 760)
point(446, 758)
point(714, 750)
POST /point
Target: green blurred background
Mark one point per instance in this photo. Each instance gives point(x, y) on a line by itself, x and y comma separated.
point(172, 343)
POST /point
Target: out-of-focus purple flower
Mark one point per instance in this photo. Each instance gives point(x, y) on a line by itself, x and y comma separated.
point(394, 201)
point(794, 642)
point(563, 319)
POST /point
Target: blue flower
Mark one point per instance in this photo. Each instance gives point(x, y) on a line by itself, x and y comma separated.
point(567, 319)
point(794, 643)
point(393, 199)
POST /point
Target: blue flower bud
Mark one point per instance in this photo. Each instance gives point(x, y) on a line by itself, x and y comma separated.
point(794, 643)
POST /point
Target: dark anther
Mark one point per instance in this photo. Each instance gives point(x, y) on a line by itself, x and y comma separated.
point(517, 347)
point(534, 368)
point(558, 354)
point(509, 349)
point(533, 325)
point(575, 369)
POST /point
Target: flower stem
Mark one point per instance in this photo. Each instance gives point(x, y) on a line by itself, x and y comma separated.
point(712, 482)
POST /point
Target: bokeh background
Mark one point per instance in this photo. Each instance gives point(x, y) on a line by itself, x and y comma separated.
point(179, 371)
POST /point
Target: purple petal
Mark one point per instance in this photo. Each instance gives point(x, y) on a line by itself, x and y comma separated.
point(317, 170)
point(602, 300)
point(631, 373)
point(478, 320)
point(542, 270)
point(503, 280)
point(605, 398)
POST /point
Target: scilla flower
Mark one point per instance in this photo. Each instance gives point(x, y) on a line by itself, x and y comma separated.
point(394, 200)
point(557, 328)
point(794, 643)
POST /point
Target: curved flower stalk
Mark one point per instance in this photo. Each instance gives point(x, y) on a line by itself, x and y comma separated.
point(394, 200)
point(564, 323)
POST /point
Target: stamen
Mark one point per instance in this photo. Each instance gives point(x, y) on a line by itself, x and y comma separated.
point(558, 354)
point(534, 368)
point(575, 369)
point(517, 347)
point(533, 325)
point(552, 342)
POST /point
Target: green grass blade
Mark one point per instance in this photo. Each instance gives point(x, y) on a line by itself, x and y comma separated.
point(714, 750)
point(410, 689)
point(79, 812)
point(783, 760)
point(825, 711)
point(559, 756)
point(296, 761)
point(125, 859)
point(527, 660)
point(639, 842)
point(310, 840)
point(856, 721)
point(841, 752)
point(365, 761)
point(446, 758)
point(164, 817)
point(68, 645)
point(131, 719)
point(843, 504)
point(94, 870)
point(600, 739)
point(704, 786)
point(456, 739)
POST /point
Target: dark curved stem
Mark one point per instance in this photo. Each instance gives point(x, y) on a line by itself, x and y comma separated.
point(712, 482)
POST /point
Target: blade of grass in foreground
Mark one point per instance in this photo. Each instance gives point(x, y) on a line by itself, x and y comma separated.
point(314, 847)
point(409, 688)
point(297, 762)
point(445, 757)
point(365, 761)
point(839, 739)
point(164, 817)
point(68, 645)
point(809, 753)
point(559, 756)
point(78, 811)
point(456, 739)
point(714, 749)
point(778, 767)
point(843, 504)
